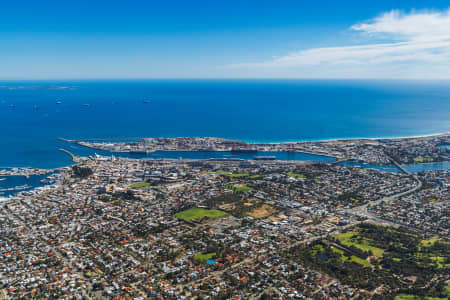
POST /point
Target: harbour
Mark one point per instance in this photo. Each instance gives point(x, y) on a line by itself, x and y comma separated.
point(80, 151)
point(14, 184)
point(366, 153)
point(198, 108)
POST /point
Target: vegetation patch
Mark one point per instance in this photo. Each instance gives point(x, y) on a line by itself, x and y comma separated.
point(402, 260)
point(339, 263)
point(257, 176)
point(447, 290)
point(428, 242)
point(420, 159)
point(233, 175)
point(354, 200)
point(410, 297)
point(240, 206)
point(360, 261)
point(139, 185)
point(317, 249)
point(296, 175)
point(404, 297)
point(352, 258)
point(435, 200)
point(204, 257)
point(242, 187)
point(200, 213)
point(353, 238)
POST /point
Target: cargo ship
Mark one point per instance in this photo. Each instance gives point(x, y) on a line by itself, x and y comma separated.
point(264, 158)
point(244, 151)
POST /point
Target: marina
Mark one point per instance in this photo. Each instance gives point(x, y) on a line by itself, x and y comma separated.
point(15, 184)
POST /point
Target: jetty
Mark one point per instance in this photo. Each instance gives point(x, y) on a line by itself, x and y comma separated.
point(73, 156)
point(307, 151)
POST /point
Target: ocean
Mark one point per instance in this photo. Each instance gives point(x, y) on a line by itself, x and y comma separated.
point(248, 110)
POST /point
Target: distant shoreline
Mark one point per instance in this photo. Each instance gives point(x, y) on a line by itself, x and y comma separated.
point(352, 139)
point(255, 142)
point(280, 142)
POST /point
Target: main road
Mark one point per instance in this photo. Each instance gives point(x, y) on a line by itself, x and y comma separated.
point(363, 212)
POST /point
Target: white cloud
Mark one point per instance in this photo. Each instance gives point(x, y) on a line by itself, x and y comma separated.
point(418, 41)
point(414, 26)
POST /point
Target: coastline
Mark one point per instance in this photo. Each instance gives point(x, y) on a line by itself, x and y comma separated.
point(338, 160)
point(249, 141)
point(343, 139)
point(281, 147)
point(331, 140)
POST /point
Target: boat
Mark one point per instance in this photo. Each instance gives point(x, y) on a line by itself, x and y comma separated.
point(140, 152)
point(58, 102)
point(12, 105)
point(47, 180)
point(36, 107)
point(16, 188)
point(244, 151)
point(145, 101)
point(264, 158)
point(86, 104)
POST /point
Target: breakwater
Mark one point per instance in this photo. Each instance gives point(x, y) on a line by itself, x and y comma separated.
point(74, 157)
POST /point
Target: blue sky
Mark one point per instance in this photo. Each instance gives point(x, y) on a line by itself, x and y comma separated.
point(224, 39)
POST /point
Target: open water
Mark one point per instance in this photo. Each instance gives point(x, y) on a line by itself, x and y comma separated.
point(34, 113)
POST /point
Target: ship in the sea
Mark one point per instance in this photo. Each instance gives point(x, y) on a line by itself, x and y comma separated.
point(264, 158)
point(139, 152)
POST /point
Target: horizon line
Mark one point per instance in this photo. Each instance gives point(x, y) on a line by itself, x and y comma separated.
point(221, 78)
